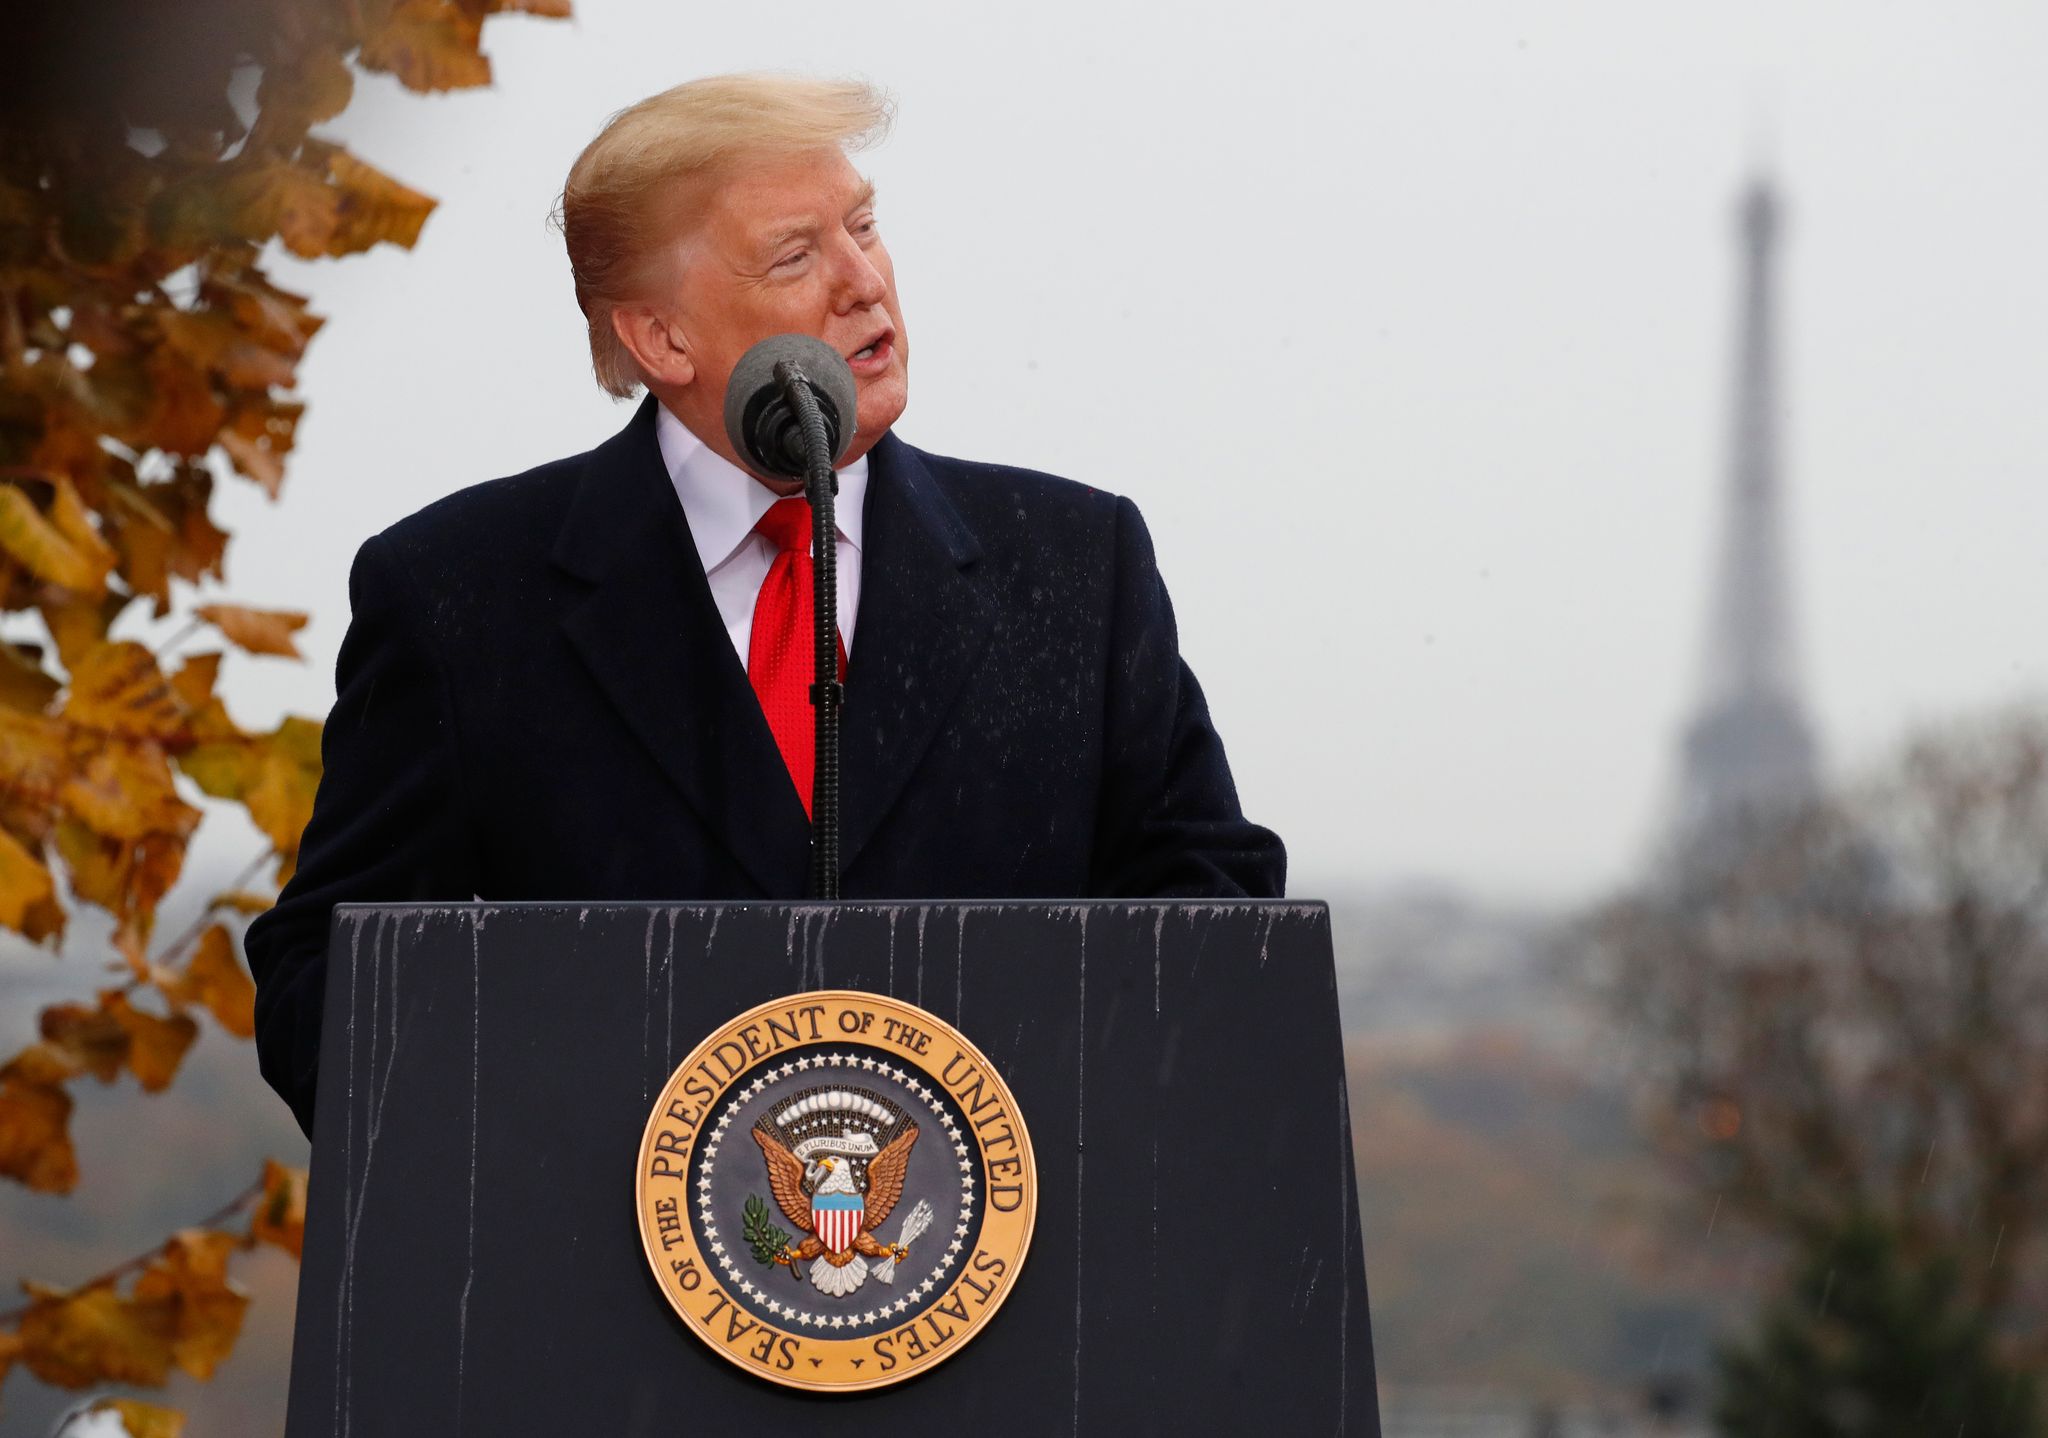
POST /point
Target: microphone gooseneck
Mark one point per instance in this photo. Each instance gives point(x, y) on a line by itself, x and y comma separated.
point(790, 409)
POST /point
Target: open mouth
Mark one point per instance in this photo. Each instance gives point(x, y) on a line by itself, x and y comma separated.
point(874, 351)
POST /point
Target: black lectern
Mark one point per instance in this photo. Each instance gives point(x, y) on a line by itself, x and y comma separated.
point(472, 1261)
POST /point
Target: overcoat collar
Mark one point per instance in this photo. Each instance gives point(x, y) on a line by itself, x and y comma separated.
point(651, 637)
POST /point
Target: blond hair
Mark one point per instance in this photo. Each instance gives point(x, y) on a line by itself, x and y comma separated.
point(640, 183)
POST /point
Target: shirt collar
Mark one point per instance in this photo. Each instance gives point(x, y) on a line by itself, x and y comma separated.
point(723, 502)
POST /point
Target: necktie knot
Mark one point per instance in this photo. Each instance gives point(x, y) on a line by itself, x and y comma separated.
point(787, 524)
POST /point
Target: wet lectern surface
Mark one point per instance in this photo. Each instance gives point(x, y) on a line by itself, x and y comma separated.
point(473, 1264)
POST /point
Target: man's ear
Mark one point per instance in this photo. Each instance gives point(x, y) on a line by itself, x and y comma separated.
point(655, 343)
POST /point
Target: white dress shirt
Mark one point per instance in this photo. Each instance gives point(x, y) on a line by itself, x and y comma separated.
point(723, 503)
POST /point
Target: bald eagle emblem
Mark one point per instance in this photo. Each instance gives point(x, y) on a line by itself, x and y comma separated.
point(836, 1160)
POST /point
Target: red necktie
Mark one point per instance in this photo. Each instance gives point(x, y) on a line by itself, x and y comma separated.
point(779, 650)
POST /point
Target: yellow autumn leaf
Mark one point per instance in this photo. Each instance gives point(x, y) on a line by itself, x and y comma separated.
point(42, 549)
point(28, 894)
point(79, 622)
point(128, 878)
point(116, 686)
point(281, 800)
point(226, 768)
point(35, 755)
point(74, 521)
point(260, 631)
point(280, 1217)
point(206, 718)
point(125, 791)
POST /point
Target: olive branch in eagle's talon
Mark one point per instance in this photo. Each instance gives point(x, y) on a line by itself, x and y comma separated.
point(769, 1243)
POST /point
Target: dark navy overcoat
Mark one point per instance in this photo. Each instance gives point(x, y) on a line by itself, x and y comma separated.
point(537, 699)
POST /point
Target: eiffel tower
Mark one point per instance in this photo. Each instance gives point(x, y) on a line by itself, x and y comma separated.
point(1748, 755)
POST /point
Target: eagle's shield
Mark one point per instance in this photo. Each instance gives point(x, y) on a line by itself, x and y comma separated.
point(836, 1219)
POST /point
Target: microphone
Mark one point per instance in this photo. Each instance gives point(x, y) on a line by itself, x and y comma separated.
point(760, 421)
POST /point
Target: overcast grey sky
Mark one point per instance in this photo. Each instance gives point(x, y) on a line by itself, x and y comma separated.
point(1431, 305)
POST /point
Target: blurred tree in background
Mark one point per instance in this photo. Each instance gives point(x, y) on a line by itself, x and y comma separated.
point(1843, 1035)
point(1867, 1342)
point(148, 154)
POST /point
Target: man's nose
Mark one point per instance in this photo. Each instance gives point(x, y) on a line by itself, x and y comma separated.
point(859, 283)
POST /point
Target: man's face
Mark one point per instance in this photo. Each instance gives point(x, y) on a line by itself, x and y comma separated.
point(789, 245)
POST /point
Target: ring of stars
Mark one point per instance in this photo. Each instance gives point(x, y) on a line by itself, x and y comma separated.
point(929, 1097)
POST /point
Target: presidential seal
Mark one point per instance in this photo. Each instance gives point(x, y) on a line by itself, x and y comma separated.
point(835, 1191)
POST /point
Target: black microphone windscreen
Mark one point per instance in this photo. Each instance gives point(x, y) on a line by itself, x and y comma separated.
point(756, 420)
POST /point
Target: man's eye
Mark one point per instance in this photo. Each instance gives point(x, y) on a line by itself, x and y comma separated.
point(794, 258)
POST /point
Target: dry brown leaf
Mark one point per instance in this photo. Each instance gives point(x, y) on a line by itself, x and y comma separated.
point(184, 414)
point(315, 87)
point(89, 1035)
point(302, 207)
point(428, 45)
point(35, 1125)
point(216, 980)
point(74, 1340)
point(280, 1216)
point(215, 341)
point(165, 530)
point(143, 1420)
point(374, 207)
point(190, 1278)
point(10, 1349)
point(260, 631)
point(273, 317)
point(259, 435)
point(156, 1046)
point(42, 1064)
point(241, 901)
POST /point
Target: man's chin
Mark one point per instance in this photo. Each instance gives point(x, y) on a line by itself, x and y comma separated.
point(881, 405)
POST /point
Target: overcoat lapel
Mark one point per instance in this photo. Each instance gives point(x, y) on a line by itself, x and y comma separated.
point(923, 624)
point(650, 635)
